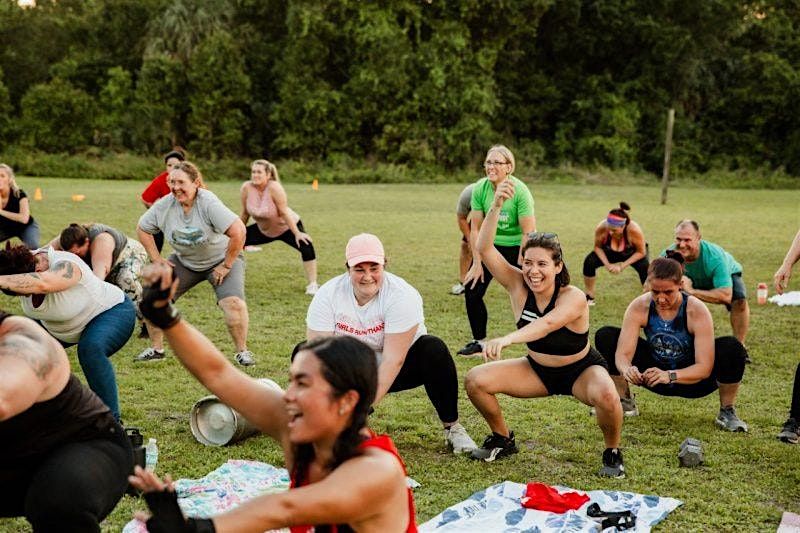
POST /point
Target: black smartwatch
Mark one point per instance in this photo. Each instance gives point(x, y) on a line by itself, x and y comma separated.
point(673, 376)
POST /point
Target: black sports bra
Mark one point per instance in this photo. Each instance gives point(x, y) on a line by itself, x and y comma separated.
point(562, 341)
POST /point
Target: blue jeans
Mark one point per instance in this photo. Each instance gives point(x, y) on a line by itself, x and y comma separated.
point(29, 235)
point(104, 336)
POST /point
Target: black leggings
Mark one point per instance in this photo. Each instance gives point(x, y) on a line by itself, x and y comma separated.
point(254, 236)
point(795, 412)
point(591, 263)
point(729, 363)
point(473, 296)
point(428, 363)
point(70, 489)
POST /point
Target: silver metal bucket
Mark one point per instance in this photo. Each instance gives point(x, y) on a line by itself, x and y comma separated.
point(215, 424)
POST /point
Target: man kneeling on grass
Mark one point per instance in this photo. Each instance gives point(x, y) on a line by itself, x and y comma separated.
point(680, 356)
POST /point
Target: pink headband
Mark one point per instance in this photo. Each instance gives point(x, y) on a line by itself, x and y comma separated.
point(616, 220)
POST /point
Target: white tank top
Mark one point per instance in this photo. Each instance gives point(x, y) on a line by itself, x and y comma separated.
point(66, 313)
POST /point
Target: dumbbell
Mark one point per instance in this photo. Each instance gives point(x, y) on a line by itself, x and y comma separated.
point(690, 454)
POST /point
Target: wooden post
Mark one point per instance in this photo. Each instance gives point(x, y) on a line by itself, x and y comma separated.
point(667, 155)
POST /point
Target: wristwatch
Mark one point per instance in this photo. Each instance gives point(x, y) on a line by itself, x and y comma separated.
point(673, 376)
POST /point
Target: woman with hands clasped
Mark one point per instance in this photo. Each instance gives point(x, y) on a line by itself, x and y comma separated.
point(341, 472)
point(553, 320)
point(679, 355)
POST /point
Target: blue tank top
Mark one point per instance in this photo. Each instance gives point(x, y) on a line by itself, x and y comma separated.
point(672, 344)
point(562, 341)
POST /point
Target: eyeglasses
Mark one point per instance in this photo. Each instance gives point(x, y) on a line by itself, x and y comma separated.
point(488, 164)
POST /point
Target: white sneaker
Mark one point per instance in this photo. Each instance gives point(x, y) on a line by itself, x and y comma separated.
point(245, 358)
point(457, 289)
point(312, 288)
point(458, 439)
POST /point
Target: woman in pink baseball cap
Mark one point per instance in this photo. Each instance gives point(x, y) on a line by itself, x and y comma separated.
point(618, 243)
point(384, 311)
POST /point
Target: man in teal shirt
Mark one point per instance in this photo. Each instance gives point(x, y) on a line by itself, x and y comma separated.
point(712, 275)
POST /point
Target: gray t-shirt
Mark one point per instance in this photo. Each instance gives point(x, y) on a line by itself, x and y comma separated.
point(198, 238)
point(463, 206)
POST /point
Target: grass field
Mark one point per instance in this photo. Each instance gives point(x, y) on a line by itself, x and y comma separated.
point(749, 479)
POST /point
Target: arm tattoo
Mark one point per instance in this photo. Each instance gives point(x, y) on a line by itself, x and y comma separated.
point(28, 347)
point(67, 267)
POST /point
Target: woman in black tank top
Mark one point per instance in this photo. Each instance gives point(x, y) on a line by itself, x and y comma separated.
point(51, 427)
point(553, 319)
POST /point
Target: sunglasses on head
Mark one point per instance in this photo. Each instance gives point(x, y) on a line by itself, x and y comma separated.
point(543, 235)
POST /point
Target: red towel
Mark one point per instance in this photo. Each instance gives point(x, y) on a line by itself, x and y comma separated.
point(546, 498)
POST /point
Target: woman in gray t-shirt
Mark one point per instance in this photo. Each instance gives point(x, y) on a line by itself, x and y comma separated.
point(207, 239)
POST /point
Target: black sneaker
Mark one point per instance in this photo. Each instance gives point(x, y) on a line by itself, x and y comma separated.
point(494, 447)
point(612, 464)
point(150, 354)
point(143, 332)
point(790, 433)
point(471, 348)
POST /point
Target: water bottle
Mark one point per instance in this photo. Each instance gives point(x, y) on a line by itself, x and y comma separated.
point(151, 455)
point(761, 293)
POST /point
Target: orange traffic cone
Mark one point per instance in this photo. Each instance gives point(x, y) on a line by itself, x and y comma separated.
point(315, 185)
point(37, 194)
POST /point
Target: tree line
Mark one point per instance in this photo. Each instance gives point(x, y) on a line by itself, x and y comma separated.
point(408, 82)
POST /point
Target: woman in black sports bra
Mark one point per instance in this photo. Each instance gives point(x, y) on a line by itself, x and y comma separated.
point(618, 243)
point(553, 320)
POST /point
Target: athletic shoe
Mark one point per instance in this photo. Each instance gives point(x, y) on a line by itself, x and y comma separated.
point(458, 439)
point(590, 300)
point(790, 433)
point(143, 332)
point(612, 464)
point(727, 419)
point(150, 354)
point(312, 288)
point(494, 447)
point(457, 289)
point(245, 358)
point(629, 407)
point(471, 348)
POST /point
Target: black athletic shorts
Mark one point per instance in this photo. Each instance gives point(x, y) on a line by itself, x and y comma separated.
point(559, 380)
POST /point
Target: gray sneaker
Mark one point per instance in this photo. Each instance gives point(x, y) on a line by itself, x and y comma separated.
point(790, 433)
point(727, 419)
point(458, 439)
point(245, 358)
point(629, 407)
point(150, 354)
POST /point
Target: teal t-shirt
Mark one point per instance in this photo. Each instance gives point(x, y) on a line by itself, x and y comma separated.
point(509, 232)
point(713, 268)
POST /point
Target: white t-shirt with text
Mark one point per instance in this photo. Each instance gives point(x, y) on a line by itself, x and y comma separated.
point(395, 309)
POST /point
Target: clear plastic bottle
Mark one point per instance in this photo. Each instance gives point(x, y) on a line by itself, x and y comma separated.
point(761, 293)
point(151, 455)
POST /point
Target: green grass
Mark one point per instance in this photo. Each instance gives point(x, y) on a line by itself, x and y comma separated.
point(749, 480)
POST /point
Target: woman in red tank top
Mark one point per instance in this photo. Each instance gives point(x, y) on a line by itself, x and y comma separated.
point(343, 476)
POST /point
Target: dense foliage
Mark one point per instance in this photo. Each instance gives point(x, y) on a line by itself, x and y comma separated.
point(408, 82)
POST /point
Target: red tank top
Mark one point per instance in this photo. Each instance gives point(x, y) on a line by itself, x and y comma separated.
point(384, 442)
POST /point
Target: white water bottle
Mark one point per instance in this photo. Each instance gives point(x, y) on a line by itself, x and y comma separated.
point(151, 455)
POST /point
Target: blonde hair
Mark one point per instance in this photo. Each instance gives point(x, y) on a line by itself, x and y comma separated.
point(193, 172)
point(12, 183)
point(272, 170)
point(506, 153)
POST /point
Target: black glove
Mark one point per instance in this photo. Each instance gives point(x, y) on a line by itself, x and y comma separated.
point(168, 518)
point(162, 317)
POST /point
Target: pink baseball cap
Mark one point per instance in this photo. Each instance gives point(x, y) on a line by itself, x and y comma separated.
point(364, 248)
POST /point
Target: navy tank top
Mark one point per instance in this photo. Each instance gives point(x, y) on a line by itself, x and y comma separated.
point(672, 344)
point(562, 341)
